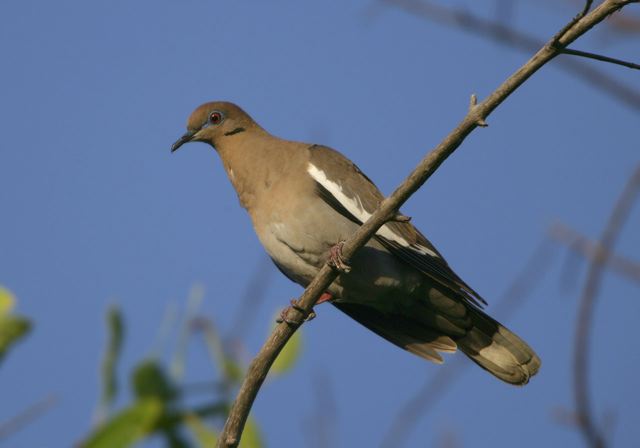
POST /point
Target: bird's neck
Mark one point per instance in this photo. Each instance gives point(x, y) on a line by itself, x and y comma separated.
point(253, 161)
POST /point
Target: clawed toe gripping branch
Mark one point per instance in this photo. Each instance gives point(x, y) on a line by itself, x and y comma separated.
point(306, 316)
point(337, 260)
point(388, 210)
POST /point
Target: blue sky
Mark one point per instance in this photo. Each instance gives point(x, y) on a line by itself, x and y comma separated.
point(95, 210)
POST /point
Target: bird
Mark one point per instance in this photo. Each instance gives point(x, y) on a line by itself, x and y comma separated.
point(306, 199)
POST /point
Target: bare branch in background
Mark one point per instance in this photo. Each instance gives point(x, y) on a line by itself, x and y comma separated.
point(322, 422)
point(592, 433)
point(589, 249)
point(437, 385)
point(625, 24)
point(254, 294)
point(503, 34)
point(27, 416)
point(448, 439)
point(259, 367)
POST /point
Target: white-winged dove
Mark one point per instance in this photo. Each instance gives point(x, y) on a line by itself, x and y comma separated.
point(305, 199)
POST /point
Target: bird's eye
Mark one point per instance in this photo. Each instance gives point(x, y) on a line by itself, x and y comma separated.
point(215, 117)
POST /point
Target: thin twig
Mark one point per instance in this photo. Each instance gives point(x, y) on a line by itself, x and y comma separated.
point(589, 429)
point(556, 39)
point(259, 367)
point(627, 23)
point(505, 35)
point(599, 57)
point(589, 250)
point(422, 401)
point(27, 416)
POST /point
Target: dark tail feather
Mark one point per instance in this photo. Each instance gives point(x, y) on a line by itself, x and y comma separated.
point(400, 330)
point(497, 350)
point(489, 344)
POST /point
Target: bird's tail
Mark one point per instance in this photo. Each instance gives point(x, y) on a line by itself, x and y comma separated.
point(499, 351)
point(488, 343)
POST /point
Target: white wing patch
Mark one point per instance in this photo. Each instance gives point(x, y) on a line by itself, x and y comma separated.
point(355, 207)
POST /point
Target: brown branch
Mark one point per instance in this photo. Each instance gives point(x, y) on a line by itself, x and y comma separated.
point(599, 57)
point(588, 427)
point(621, 23)
point(503, 34)
point(590, 249)
point(422, 401)
point(261, 364)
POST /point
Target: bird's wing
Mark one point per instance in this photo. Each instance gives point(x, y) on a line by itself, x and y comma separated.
point(341, 184)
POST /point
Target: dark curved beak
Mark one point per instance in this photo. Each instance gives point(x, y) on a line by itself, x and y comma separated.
point(186, 138)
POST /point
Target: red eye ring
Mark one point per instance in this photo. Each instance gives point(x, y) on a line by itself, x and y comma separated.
point(215, 117)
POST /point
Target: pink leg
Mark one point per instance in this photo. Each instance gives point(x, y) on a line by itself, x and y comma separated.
point(325, 297)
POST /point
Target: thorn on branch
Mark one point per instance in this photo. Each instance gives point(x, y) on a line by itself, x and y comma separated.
point(473, 107)
point(399, 217)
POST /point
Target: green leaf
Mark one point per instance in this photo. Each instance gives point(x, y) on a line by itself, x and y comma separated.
point(7, 302)
point(128, 426)
point(205, 436)
point(12, 329)
point(251, 437)
point(233, 371)
point(115, 327)
point(289, 355)
point(150, 381)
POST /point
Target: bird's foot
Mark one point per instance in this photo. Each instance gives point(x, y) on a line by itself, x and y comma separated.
point(325, 297)
point(295, 306)
point(336, 260)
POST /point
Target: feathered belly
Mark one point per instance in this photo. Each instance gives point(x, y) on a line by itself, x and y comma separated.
point(375, 273)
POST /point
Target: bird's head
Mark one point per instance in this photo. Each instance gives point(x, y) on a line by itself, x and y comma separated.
point(213, 122)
